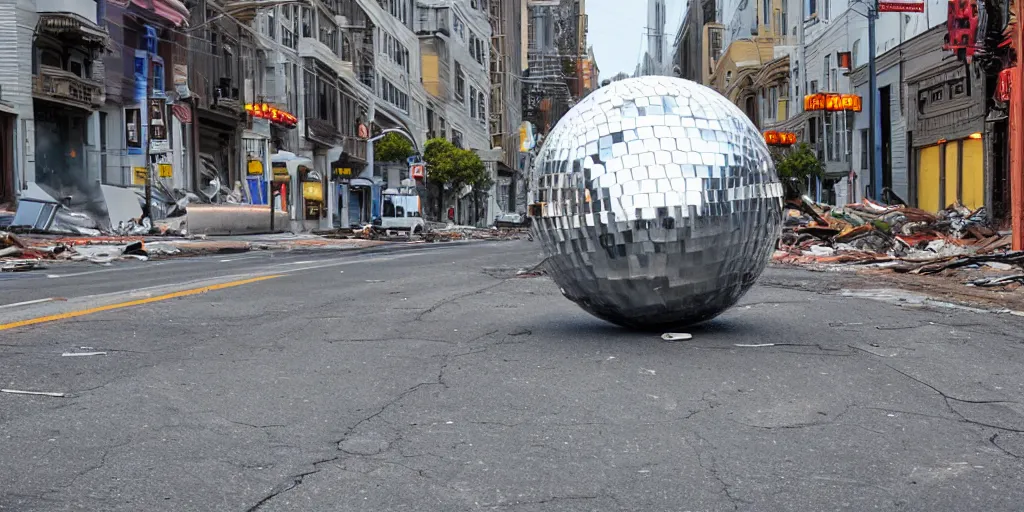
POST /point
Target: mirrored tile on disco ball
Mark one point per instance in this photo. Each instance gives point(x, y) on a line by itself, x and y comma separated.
point(664, 216)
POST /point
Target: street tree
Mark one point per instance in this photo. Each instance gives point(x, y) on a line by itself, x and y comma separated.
point(392, 147)
point(451, 168)
point(798, 162)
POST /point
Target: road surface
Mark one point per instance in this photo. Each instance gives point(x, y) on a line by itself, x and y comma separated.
point(437, 380)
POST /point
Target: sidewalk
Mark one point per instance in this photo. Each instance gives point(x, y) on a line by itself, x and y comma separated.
point(26, 252)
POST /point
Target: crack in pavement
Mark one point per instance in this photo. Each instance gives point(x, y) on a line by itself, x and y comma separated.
point(831, 421)
point(1004, 450)
point(712, 469)
point(419, 316)
point(292, 482)
point(552, 499)
point(948, 400)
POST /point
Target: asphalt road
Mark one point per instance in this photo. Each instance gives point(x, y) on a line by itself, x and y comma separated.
point(436, 380)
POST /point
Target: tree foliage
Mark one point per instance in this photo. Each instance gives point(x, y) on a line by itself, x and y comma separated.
point(392, 147)
point(798, 162)
point(449, 165)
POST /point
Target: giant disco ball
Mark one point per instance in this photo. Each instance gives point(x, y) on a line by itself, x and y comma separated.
point(662, 203)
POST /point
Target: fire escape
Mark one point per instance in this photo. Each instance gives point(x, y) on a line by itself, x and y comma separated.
point(497, 120)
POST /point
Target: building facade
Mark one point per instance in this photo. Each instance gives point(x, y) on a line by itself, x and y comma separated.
point(235, 86)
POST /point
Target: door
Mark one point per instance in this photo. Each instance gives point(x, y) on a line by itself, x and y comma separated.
point(972, 174)
point(951, 174)
point(928, 179)
point(6, 158)
point(885, 109)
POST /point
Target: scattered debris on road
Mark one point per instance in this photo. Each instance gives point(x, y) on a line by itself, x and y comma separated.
point(82, 354)
point(676, 336)
point(40, 393)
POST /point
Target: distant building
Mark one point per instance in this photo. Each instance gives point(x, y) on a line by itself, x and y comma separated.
point(655, 60)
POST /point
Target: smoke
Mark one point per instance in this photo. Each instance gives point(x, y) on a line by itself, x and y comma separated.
point(62, 169)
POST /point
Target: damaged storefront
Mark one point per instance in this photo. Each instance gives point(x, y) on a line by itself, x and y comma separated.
point(945, 129)
point(66, 96)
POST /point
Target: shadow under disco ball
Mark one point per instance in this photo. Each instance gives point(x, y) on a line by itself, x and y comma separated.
point(662, 205)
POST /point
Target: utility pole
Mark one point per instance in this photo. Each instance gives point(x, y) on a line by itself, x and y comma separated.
point(874, 131)
point(149, 137)
point(1017, 134)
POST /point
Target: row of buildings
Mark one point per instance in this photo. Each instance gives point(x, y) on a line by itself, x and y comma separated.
point(212, 92)
point(943, 114)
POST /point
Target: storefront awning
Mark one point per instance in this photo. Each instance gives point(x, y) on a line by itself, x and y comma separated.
point(360, 182)
point(173, 11)
point(74, 27)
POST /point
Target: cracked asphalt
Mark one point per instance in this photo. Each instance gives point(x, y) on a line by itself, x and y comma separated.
point(440, 381)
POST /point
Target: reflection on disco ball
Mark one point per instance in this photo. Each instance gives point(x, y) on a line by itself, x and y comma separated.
point(662, 206)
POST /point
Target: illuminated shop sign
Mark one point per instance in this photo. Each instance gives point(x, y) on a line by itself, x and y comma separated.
point(774, 138)
point(832, 102)
point(271, 113)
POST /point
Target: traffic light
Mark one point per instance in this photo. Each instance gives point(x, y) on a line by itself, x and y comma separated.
point(961, 28)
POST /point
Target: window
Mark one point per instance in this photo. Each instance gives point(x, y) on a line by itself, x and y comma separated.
point(481, 107)
point(830, 132)
point(814, 87)
point(459, 27)
point(327, 32)
point(863, 149)
point(288, 28)
point(855, 52)
point(472, 102)
point(457, 138)
point(766, 9)
point(812, 8)
point(272, 24)
point(307, 22)
point(460, 82)
point(784, 21)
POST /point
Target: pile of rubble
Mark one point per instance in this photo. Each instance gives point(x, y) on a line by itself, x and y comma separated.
point(904, 239)
point(453, 232)
point(21, 253)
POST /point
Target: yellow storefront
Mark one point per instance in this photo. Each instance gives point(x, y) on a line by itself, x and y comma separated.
point(951, 171)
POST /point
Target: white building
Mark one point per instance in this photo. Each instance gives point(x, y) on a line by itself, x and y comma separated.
point(832, 26)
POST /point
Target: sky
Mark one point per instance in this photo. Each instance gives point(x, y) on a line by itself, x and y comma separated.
point(617, 29)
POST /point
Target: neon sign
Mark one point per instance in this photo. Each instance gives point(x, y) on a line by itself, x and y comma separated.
point(271, 113)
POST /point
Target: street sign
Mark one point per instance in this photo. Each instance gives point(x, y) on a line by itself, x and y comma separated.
point(901, 6)
point(165, 170)
point(138, 175)
point(417, 171)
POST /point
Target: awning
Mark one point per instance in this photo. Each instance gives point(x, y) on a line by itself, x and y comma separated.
point(360, 182)
point(72, 25)
point(173, 11)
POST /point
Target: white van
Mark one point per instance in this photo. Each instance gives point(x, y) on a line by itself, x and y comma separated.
point(401, 212)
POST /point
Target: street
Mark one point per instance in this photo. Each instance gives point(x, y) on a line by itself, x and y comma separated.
point(436, 379)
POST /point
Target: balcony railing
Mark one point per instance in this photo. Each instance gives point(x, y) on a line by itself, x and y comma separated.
point(66, 87)
point(354, 147)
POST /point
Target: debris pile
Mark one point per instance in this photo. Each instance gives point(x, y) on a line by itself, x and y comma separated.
point(453, 232)
point(905, 239)
point(28, 253)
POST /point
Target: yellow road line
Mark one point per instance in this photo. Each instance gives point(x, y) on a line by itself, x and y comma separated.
point(83, 312)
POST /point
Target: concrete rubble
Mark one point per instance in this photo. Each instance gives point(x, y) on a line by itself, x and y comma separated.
point(954, 242)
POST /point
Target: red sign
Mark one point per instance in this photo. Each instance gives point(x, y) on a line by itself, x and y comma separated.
point(832, 102)
point(271, 113)
point(1005, 84)
point(773, 137)
point(416, 171)
point(901, 6)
